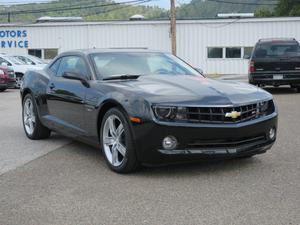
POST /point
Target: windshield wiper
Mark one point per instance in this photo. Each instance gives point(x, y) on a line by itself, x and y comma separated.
point(122, 77)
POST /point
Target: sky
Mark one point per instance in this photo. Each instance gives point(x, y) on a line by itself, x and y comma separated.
point(161, 3)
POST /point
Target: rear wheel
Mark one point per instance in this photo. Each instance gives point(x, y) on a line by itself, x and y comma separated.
point(32, 125)
point(117, 142)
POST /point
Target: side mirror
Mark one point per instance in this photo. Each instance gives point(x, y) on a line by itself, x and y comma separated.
point(199, 70)
point(246, 57)
point(76, 76)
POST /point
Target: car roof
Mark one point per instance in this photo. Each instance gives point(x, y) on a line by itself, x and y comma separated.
point(277, 40)
point(106, 50)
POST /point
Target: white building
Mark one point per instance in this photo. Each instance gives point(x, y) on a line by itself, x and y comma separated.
point(215, 45)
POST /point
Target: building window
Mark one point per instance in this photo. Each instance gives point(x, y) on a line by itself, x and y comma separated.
point(233, 52)
point(248, 51)
point(35, 52)
point(215, 53)
point(50, 53)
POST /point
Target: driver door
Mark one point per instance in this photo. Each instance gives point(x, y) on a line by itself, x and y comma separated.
point(66, 97)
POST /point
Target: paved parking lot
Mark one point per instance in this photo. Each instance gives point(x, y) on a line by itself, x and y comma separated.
point(59, 181)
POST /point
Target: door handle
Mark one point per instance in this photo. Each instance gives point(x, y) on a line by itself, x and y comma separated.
point(51, 86)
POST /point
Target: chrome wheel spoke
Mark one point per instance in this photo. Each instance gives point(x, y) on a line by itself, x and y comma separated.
point(109, 140)
point(114, 155)
point(120, 130)
point(121, 149)
point(112, 127)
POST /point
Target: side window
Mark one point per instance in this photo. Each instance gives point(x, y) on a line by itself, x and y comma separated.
point(72, 64)
point(35, 52)
point(233, 52)
point(214, 53)
point(54, 67)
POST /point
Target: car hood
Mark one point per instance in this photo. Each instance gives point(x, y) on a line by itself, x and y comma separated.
point(194, 90)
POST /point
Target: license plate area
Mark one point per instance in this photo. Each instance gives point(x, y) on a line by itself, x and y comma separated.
point(278, 76)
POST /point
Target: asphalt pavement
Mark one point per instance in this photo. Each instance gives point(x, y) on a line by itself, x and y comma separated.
point(60, 181)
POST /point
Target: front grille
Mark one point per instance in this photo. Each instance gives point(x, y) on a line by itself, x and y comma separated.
point(11, 75)
point(225, 114)
point(226, 143)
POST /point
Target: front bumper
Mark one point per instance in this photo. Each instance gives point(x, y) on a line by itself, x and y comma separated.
point(3, 85)
point(11, 84)
point(203, 141)
point(288, 78)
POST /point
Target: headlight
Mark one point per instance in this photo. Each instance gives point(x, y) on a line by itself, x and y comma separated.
point(263, 107)
point(266, 108)
point(164, 112)
point(170, 112)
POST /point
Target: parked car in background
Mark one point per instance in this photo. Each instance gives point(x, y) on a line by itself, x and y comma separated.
point(31, 60)
point(7, 78)
point(146, 107)
point(18, 66)
point(275, 62)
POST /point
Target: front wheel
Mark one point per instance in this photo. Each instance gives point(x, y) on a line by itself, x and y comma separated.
point(32, 125)
point(117, 142)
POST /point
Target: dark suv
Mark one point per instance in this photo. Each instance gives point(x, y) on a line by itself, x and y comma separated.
point(275, 62)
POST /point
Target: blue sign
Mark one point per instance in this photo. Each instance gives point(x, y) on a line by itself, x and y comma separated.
point(13, 39)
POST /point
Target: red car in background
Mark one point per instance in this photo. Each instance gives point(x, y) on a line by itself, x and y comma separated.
point(7, 78)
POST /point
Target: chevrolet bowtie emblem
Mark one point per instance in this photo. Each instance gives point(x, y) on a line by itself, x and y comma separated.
point(233, 114)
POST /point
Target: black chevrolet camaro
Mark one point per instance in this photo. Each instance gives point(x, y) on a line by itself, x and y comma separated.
point(146, 108)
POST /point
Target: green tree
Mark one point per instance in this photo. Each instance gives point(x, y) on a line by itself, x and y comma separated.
point(283, 8)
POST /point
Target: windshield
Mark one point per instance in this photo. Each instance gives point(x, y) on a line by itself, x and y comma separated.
point(24, 60)
point(268, 50)
point(15, 61)
point(109, 64)
point(36, 59)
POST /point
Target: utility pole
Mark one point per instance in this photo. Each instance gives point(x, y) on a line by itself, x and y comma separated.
point(8, 16)
point(173, 26)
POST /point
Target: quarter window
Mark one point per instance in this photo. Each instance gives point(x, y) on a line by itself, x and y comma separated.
point(214, 53)
point(233, 52)
point(54, 67)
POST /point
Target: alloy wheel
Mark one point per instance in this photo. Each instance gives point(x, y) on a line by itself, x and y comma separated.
point(29, 116)
point(113, 140)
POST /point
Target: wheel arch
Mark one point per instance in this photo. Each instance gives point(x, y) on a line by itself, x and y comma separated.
point(25, 92)
point(105, 106)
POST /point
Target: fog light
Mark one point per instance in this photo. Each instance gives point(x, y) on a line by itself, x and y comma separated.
point(272, 133)
point(169, 143)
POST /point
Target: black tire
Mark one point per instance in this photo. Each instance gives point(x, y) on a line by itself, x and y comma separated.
point(39, 130)
point(2, 89)
point(130, 162)
point(298, 89)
